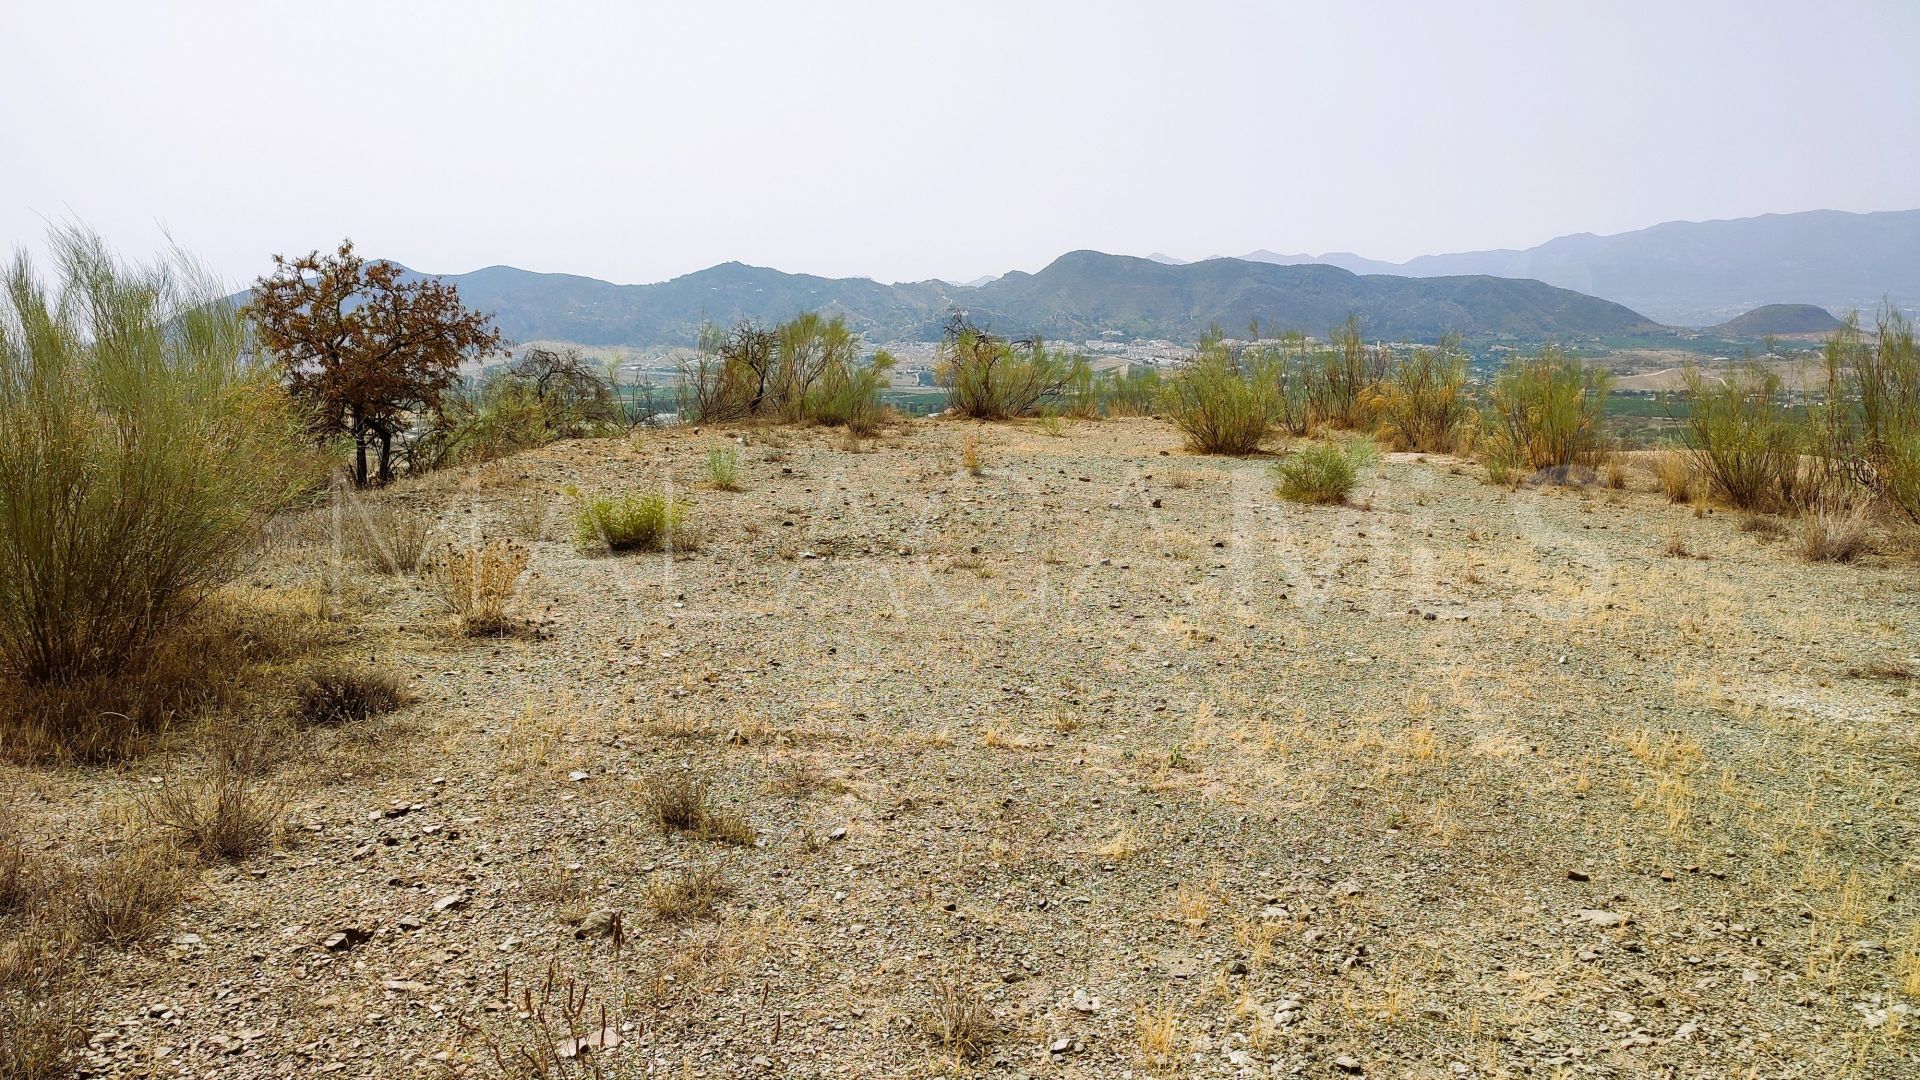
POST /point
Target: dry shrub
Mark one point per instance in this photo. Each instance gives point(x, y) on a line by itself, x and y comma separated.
point(44, 1009)
point(1674, 471)
point(678, 802)
point(388, 539)
point(207, 665)
point(1224, 402)
point(1745, 441)
point(1834, 534)
point(1615, 473)
point(959, 1021)
point(692, 893)
point(226, 815)
point(125, 894)
point(335, 694)
point(1764, 526)
point(554, 1029)
point(1423, 404)
point(478, 582)
point(20, 884)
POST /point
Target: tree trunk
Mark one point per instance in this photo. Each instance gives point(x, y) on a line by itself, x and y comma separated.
point(386, 456)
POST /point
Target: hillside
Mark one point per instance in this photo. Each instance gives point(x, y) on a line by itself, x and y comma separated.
point(1780, 319)
point(1079, 295)
point(1698, 273)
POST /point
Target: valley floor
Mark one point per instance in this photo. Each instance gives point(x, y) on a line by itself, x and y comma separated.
point(1171, 777)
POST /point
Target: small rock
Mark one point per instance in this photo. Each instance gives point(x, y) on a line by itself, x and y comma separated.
point(450, 902)
point(1083, 1003)
point(342, 940)
point(1344, 888)
point(1599, 917)
point(598, 924)
point(1347, 1063)
point(1578, 875)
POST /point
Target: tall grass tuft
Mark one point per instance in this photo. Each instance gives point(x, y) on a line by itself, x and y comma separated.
point(1546, 412)
point(1743, 441)
point(140, 459)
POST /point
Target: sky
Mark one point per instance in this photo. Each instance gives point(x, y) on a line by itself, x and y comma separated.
point(902, 141)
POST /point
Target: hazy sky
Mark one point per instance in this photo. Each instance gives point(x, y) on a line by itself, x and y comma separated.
point(638, 141)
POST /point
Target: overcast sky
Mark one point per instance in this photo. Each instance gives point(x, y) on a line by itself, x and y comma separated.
point(638, 141)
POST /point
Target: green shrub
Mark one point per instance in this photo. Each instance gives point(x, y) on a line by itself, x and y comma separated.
point(804, 369)
point(1323, 472)
point(640, 522)
point(1423, 403)
point(1743, 441)
point(1548, 410)
point(1133, 392)
point(1337, 379)
point(1221, 403)
point(1872, 416)
point(990, 378)
point(139, 461)
point(723, 469)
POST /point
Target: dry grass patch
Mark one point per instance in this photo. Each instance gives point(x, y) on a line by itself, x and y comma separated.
point(688, 895)
point(225, 816)
point(1673, 471)
point(388, 540)
point(678, 802)
point(959, 1021)
point(337, 693)
point(125, 894)
point(478, 581)
point(1155, 1032)
point(1833, 535)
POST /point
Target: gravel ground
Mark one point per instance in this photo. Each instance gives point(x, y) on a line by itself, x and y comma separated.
point(1165, 775)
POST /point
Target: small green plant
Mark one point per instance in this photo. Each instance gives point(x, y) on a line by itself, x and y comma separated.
point(1323, 473)
point(1052, 426)
point(634, 522)
point(723, 469)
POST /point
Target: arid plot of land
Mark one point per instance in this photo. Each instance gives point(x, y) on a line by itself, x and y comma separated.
point(1134, 767)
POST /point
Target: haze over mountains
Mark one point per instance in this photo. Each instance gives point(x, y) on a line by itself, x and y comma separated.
point(1699, 273)
point(1574, 288)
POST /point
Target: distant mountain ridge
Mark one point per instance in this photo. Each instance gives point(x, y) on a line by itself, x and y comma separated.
point(1698, 273)
point(1080, 295)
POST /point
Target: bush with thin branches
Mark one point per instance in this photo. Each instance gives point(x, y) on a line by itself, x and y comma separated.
point(991, 378)
point(1423, 403)
point(1744, 441)
point(1871, 424)
point(478, 581)
point(1546, 411)
point(140, 459)
point(1225, 401)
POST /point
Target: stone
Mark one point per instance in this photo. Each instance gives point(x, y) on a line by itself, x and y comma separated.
point(1347, 1063)
point(598, 924)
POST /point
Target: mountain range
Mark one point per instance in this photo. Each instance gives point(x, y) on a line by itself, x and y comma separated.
point(1699, 273)
point(1080, 295)
point(1582, 287)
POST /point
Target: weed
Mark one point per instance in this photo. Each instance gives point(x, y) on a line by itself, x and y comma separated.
point(678, 802)
point(225, 816)
point(970, 456)
point(1833, 535)
point(1155, 1030)
point(337, 693)
point(688, 895)
point(125, 894)
point(389, 540)
point(478, 582)
point(959, 1021)
point(723, 469)
point(640, 522)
